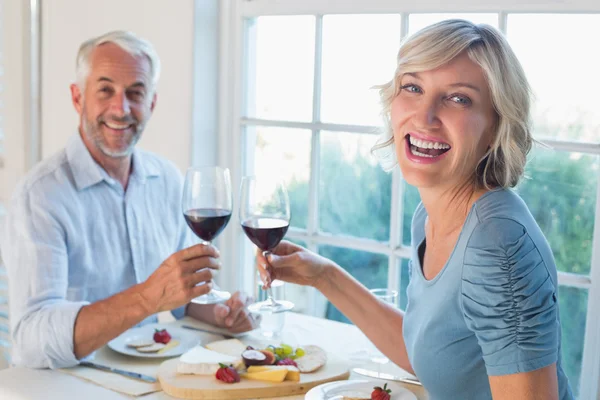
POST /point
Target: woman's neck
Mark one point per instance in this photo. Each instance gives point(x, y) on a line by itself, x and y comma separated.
point(447, 209)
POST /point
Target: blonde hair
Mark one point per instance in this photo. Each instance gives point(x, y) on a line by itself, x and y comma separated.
point(127, 41)
point(504, 162)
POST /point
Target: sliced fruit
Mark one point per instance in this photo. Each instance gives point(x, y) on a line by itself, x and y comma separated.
point(270, 360)
point(227, 374)
point(253, 357)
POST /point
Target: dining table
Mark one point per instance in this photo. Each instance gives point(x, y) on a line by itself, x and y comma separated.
point(343, 340)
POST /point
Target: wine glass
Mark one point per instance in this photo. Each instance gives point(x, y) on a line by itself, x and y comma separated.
point(207, 205)
point(265, 218)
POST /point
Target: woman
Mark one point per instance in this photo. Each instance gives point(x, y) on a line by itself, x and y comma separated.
point(482, 317)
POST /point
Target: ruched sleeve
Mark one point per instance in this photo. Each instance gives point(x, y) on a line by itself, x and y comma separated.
point(509, 299)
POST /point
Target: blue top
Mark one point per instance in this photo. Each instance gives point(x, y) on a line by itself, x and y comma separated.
point(491, 310)
point(74, 236)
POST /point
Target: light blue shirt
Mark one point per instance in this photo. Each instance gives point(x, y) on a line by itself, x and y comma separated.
point(73, 236)
point(492, 309)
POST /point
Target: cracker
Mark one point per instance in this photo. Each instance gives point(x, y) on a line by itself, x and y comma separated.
point(140, 343)
point(152, 348)
point(314, 358)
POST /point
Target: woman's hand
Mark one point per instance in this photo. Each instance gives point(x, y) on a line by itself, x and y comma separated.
point(292, 263)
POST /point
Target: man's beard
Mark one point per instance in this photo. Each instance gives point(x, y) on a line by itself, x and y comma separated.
point(93, 131)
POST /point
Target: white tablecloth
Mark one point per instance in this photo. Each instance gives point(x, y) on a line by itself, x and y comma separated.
point(28, 384)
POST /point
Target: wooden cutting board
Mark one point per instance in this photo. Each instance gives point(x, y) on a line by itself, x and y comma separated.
point(208, 387)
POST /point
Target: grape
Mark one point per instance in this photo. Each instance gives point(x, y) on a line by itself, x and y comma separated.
point(287, 349)
point(280, 351)
point(299, 352)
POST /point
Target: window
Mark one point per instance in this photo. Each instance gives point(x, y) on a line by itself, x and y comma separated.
point(304, 71)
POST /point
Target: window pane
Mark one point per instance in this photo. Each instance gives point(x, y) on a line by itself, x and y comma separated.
point(359, 51)
point(561, 194)
point(404, 279)
point(573, 308)
point(284, 154)
point(281, 70)
point(355, 192)
point(369, 268)
point(410, 203)
point(561, 70)
point(419, 21)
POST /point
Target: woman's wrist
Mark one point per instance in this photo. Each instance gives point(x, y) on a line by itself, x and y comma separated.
point(327, 277)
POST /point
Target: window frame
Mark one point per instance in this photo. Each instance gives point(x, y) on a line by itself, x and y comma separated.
point(234, 52)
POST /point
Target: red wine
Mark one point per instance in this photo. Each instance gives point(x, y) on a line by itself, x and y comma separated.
point(266, 233)
point(207, 223)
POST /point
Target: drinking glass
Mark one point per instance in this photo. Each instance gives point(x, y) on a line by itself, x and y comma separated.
point(265, 219)
point(207, 206)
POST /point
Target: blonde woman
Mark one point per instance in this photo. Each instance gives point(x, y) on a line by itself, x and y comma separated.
point(482, 320)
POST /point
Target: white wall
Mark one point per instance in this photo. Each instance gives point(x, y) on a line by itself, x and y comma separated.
point(168, 24)
point(13, 95)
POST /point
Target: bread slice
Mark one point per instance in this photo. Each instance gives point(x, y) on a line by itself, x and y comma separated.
point(314, 358)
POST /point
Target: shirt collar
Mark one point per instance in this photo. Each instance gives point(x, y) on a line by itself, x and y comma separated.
point(87, 172)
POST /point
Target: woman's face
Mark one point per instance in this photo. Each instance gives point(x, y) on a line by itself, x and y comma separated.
point(442, 121)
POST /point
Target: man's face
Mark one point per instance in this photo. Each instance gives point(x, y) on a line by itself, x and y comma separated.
point(117, 101)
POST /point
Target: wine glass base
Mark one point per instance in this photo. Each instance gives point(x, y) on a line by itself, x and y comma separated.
point(270, 307)
point(212, 297)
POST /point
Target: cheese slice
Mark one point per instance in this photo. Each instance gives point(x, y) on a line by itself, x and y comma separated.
point(201, 361)
point(231, 347)
point(292, 375)
point(273, 375)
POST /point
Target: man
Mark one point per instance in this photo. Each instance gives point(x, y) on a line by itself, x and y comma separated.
point(95, 242)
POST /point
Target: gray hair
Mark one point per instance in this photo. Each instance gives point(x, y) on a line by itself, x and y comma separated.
point(129, 42)
point(504, 162)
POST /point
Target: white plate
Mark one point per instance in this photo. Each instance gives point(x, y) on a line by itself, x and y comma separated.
point(187, 339)
point(336, 390)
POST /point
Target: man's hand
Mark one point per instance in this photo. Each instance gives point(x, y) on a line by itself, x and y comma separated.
point(231, 314)
point(183, 276)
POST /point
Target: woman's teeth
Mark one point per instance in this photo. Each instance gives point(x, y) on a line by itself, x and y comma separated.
point(426, 144)
point(427, 148)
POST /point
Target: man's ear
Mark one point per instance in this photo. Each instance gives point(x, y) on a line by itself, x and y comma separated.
point(153, 104)
point(77, 97)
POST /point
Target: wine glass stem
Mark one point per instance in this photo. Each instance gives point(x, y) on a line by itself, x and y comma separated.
point(270, 298)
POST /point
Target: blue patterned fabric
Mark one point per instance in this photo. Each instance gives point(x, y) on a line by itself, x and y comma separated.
point(492, 309)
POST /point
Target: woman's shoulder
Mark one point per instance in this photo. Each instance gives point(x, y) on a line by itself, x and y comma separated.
point(501, 217)
point(504, 229)
point(501, 203)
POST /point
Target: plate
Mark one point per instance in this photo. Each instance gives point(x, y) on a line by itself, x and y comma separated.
point(337, 390)
point(187, 339)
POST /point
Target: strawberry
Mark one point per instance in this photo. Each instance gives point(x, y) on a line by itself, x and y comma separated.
point(162, 336)
point(287, 361)
point(381, 393)
point(227, 374)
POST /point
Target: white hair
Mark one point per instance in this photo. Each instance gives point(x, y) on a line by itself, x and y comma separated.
point(129, 42)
